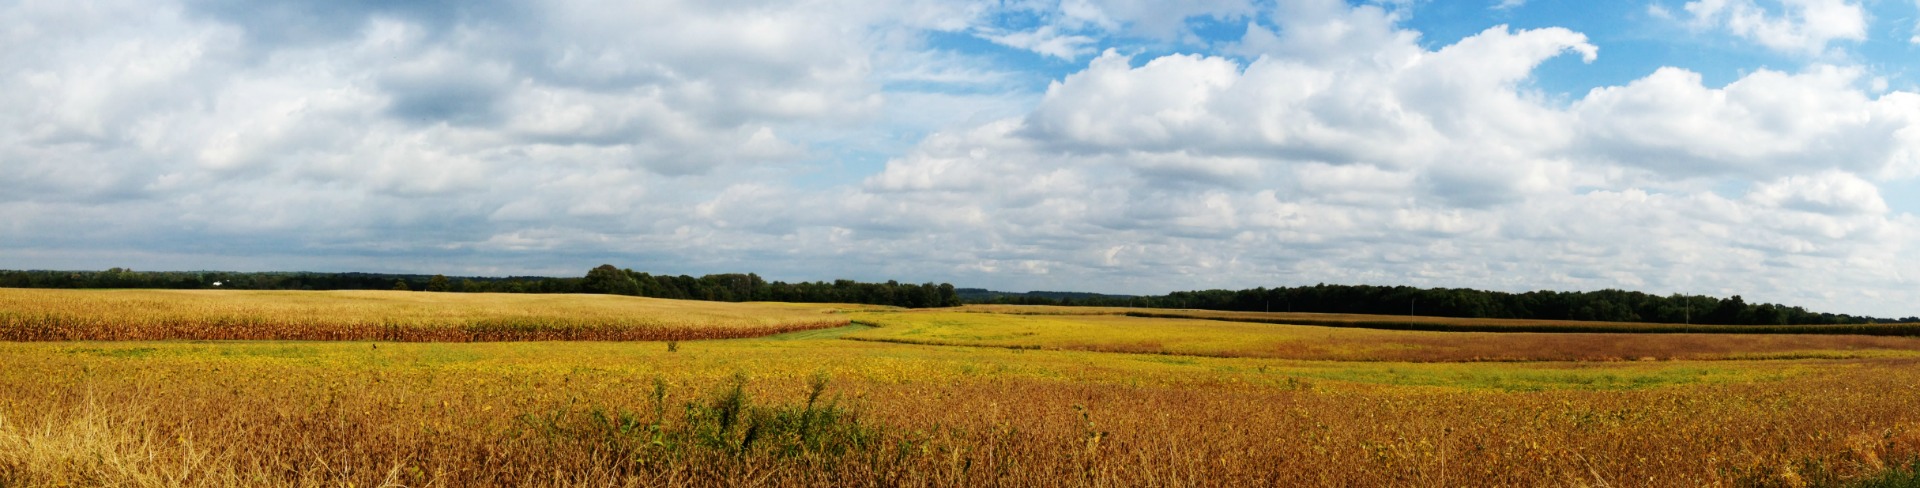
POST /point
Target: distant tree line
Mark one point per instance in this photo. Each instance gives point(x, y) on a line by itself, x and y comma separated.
point(281, 280)
point(1603, 305)
point(607, 279)
point(734, 287)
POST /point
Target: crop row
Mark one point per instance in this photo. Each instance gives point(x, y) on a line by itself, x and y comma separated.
point(127, 315)
point(56, 328)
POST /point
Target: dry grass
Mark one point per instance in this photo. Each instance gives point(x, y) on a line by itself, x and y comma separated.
point(1129, 334)
point(475, 414)
point(65, 315)
point(1218, 404)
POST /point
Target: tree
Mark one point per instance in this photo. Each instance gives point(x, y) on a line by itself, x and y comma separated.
point(948, 297)
point(1727, 312)
point(401, 285)
point(610, 280)
point(439, 283)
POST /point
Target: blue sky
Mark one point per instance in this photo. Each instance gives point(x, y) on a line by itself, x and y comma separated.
point(1767, 148)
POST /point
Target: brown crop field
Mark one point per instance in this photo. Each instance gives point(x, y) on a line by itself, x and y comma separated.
point(811, 408)
point(66, 315)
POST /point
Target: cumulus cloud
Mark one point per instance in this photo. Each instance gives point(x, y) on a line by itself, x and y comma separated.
point(1831, 192)
point(1767, 123)
point(1458, 104)
point(1441, 161)
point(1803, 27)
point(227, 119)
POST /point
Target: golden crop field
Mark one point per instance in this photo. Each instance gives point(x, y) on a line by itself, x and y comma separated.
point(811, 408)
point(1054, 329)
point(64, 315)
point(1457, 324)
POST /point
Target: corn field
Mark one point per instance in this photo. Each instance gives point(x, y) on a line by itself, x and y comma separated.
point(146, 315)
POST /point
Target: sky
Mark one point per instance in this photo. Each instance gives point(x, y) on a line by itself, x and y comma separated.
point(1764, 148)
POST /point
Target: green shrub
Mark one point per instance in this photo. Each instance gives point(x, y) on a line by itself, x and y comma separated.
point(725, 424)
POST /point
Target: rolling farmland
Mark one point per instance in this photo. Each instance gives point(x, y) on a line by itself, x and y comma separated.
point(833, 396)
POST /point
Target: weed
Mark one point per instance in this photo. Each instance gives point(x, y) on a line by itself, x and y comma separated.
point(1899, 477)
point(726, 425)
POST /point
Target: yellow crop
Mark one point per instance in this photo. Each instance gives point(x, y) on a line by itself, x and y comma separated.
point(1043, 400)
point(1050, 328)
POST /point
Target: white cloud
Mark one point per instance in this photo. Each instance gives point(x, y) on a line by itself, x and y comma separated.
point(1767, 123)
point(1659, 11)
point(1830, 192)
point(387, 127)
point(1070, 29)
point(1156, 19)
point(1803, 27)
point(1323, 32)
point(1461, 102)
point(1048, 40)
point(1409, 165)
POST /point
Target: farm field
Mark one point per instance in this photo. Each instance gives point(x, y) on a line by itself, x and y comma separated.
point(1017, 400)
point(61, 315)
point(1456, 324)
point(1054, 329)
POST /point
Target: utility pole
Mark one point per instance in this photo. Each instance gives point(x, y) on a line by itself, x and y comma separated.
point(1410, 302)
